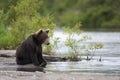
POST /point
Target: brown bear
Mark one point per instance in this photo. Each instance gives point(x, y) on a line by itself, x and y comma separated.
point(30, 50)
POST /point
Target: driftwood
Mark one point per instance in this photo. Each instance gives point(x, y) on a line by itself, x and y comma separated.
point(11, 53)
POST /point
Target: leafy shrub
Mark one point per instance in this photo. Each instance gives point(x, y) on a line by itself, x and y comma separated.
point(73, 44)
point(28, 20)
point(91, 49)
point(5, 38)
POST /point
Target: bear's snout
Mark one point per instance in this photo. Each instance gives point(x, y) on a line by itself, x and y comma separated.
point(46, 41)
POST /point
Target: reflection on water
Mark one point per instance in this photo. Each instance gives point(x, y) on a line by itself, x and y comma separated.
point(29, 68)
point(110, 64)
point(92, 66)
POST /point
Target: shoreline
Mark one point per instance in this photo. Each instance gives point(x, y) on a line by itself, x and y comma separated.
point(15, 75)
point(8, 72)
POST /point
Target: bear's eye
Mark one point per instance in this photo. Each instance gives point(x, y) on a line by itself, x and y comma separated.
point(46, 37)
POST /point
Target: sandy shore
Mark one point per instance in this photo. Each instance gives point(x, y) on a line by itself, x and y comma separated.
point(15, 75)
point(20, 75)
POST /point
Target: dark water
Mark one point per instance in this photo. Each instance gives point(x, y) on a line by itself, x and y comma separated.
point(110, 64)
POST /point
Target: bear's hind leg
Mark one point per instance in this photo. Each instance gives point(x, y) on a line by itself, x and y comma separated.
point(23, 62)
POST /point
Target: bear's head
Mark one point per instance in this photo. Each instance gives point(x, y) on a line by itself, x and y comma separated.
point(42, 37)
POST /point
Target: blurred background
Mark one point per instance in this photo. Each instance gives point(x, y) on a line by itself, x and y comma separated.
point(24, 17)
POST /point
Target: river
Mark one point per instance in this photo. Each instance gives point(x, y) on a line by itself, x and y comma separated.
point(110, 64)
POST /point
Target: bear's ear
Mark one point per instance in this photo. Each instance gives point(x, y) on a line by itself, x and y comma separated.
point(40, 31)
point(47, 31)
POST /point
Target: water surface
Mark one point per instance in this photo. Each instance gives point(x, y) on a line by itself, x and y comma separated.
point(110, 64)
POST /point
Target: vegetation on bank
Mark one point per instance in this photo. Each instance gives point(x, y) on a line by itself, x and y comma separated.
point(76, 46)
point(26, 20)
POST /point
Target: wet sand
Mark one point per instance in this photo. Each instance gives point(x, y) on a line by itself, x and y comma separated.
point(17, 75)
point(22, 75)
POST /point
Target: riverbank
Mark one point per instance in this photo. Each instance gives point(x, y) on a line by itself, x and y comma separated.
point(10, 71)
point(17, 75)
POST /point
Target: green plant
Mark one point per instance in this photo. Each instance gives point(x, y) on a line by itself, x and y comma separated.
point(75, 49)
point(20, 21)
point(28, 20)
point(5, 38)
point(71, 42)
point(91, 49)
point(74, 46)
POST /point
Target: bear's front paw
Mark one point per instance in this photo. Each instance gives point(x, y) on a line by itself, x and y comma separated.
point(43, 65)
